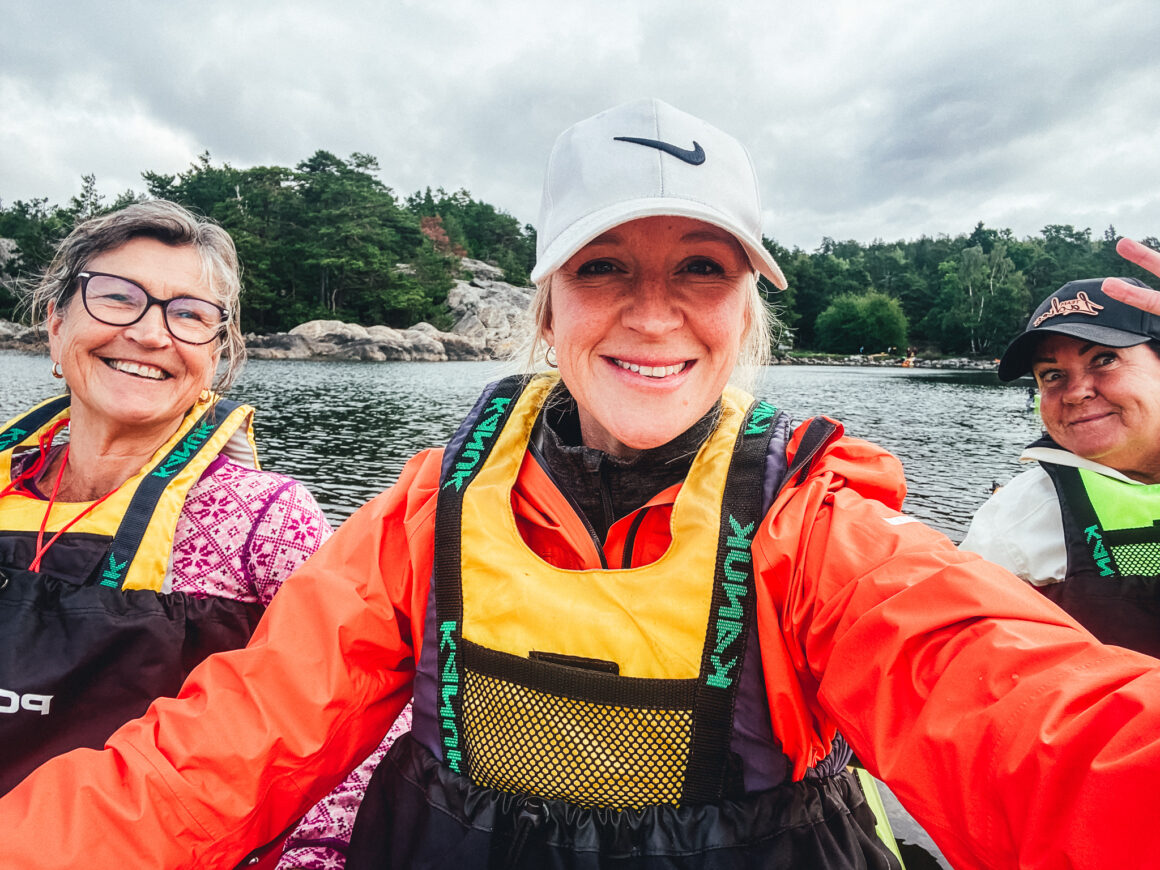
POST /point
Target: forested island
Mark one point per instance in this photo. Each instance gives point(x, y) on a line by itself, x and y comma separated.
point(329, 240)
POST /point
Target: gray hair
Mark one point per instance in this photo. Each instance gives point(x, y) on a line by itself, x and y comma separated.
point(171, 224)
point(756, 343)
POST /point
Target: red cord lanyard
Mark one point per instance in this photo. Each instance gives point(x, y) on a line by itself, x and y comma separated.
point(42, 548)
point(44, 444)
point(37, 466)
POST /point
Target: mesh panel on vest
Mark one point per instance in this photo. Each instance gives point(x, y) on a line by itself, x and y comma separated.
point(596, 752)
point(1143, 559)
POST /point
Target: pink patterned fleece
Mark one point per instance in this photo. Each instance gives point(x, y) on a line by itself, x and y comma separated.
point(241, 533)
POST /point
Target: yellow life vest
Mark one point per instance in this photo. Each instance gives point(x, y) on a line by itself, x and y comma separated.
point(141, 515)
point(603, 687)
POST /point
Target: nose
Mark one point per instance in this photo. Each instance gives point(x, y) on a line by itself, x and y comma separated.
point(653, 307)
point(1080, 386)
point(150, 330)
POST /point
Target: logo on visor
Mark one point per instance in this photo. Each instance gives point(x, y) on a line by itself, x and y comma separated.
point(695, 157)
point(1081, 304)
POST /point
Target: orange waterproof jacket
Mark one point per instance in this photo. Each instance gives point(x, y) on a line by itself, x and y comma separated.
point(1014, 737)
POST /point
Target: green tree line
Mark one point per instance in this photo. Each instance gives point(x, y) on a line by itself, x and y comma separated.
point(328, 239)
point(968, 294)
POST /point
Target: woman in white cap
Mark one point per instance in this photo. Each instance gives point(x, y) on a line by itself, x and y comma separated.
point(644, 617)
point(1083, 524)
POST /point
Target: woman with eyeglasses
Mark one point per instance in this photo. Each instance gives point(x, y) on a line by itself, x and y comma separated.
point(644, 616)
point(137, 534)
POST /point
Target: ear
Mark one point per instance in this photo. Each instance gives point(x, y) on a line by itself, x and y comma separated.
point(547, 333)
point(54, 325)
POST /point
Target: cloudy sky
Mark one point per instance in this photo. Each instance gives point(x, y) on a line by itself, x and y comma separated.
point(886, 120)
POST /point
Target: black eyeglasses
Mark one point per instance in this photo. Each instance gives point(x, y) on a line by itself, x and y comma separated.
point(118, 301)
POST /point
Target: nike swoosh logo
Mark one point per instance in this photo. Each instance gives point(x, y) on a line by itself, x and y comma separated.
point(695, 157)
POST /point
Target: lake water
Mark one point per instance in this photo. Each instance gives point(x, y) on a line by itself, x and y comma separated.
point(346, 429)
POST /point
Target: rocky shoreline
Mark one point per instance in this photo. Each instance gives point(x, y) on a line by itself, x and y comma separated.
point(333, 340)
point(892, 362)
point(490, 325)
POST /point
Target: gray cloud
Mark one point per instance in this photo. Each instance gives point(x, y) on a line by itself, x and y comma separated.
point(866, 121)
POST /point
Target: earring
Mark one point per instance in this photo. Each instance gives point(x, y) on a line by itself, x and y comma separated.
point(550, 356)
point(57, 371)
point(205, 396)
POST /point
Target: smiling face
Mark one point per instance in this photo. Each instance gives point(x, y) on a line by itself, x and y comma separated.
point(136, 380)
point(1102, 403)
point(647, 321)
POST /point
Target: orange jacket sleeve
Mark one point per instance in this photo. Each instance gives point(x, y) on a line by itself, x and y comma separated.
point(256, 735)
point(1009, 733)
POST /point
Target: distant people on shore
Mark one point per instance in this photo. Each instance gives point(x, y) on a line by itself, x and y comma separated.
point(1083, 525)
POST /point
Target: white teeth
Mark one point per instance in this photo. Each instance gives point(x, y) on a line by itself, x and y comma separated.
point(651, 371)
point(132, 368)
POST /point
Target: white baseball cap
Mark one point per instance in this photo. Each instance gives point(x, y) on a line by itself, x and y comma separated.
point(645, 159)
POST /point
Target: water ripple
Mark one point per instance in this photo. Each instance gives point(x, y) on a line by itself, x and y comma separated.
point(346, 429)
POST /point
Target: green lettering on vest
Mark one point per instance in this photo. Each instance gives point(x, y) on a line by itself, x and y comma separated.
point(476, 444)
point(734, 591)
point(498, 406)
point(448, 690)
point(181, 454)
point(1100, 554)
point(448, 713)
point(12, 436)
point(720, 678)
point(111, 576)
point(738, 569)
point(731, 560)
point(728, 630)
point(759, 420)
point(450, 730)
point(447, 634)
point(742, 536)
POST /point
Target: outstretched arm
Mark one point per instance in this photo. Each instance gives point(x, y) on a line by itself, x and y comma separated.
point(258, 735)
point(1145, 258)
point(1011, 735)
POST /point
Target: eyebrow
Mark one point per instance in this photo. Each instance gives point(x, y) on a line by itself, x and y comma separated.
point(610, 236)
point(1083, 348)
point(708, 236)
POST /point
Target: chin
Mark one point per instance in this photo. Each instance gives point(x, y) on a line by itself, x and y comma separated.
point(651, 439)
point(1096, 452)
